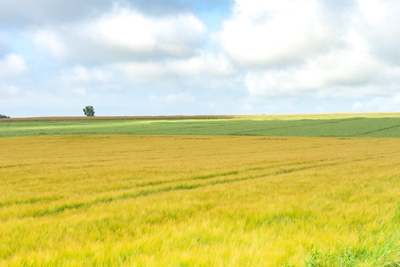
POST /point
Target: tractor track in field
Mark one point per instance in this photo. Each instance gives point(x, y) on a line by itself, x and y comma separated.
point(381, 129)
point(181, 187)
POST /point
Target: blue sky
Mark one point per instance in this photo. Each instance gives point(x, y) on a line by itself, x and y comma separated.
point(157, 57)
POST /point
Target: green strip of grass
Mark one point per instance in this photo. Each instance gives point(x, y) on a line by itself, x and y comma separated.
point(319, 126)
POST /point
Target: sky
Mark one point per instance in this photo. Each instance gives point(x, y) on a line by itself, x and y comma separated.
point(186, 57)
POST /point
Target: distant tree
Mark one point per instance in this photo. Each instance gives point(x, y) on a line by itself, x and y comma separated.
point(3, 116)
point(88, 111)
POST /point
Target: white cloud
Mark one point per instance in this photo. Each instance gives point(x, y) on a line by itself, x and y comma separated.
point(144, 71)
point(12, 65)
point(265, 33)
point(41, 12)
point(378, 25)
point(329, 75)
point(122, 35)
point(298, 48)
point(130, 30)
point(203, 64)
point(82, 74)
point(345, 74)
point(373, 10)
point(206, 65)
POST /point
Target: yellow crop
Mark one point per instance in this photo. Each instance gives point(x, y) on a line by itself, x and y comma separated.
point(199, 201)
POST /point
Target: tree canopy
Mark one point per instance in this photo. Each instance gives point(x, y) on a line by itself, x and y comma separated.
point(88, 111)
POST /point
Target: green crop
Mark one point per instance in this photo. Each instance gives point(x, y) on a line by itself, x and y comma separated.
point(322, 126)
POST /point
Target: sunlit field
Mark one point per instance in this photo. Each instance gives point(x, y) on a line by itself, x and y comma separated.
point(132, 200)
point(344, 125)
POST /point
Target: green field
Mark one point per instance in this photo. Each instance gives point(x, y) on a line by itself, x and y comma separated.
point(312, 126)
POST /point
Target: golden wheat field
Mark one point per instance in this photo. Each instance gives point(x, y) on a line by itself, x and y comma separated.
point(123, 200)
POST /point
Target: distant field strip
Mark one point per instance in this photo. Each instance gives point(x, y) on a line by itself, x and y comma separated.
point(317, 126)
point(136, 200)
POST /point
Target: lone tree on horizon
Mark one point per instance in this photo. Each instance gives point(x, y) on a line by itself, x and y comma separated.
point(88, 111)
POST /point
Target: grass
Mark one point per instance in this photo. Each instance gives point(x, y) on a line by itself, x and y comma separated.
point(373, 125)
point(135, 200)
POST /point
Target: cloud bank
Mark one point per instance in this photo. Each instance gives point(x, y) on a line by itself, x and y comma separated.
point(306, 48)
point(244, 56)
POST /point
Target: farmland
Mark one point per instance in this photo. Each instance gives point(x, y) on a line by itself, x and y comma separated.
point(367, 125)
point(141, 200)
